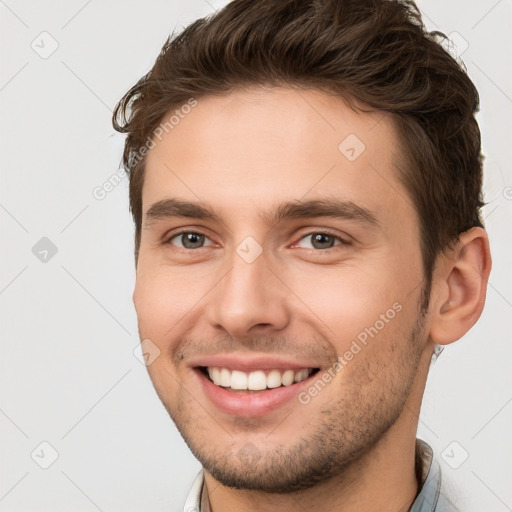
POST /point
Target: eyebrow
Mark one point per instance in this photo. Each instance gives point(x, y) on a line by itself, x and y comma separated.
point(327, 207)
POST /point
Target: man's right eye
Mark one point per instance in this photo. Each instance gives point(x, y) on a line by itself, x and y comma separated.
point(189, 240)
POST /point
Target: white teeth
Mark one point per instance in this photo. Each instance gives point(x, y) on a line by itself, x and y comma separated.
point(301, 375)
point(288, 377)
point(257, 380)
point(214, 375)
point(238, 380)
point(225, 377)
point(274, 379)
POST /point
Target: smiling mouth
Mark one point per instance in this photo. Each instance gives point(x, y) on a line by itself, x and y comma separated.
point(256, 381)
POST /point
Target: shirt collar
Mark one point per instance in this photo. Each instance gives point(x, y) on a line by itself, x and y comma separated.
point(430, 497)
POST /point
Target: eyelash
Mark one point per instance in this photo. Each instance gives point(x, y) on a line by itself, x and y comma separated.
point(343, 242)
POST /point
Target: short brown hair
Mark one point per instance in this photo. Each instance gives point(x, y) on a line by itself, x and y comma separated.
point(376, 52)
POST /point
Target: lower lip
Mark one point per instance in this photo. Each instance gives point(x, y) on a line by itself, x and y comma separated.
point(250, 405)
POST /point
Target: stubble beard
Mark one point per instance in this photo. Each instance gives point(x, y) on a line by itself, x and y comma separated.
point(351, 427)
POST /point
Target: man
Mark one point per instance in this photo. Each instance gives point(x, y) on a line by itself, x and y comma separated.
point(305, 180)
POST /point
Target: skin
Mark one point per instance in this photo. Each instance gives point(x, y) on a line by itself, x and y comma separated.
point(352, 446)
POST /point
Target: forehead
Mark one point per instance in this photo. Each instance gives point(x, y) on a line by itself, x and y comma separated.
point(262, 146)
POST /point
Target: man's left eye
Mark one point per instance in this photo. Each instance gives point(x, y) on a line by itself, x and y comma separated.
point(319, 241)
point(189, 240)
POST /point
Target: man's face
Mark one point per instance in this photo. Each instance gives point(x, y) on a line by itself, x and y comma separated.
point(252, 285)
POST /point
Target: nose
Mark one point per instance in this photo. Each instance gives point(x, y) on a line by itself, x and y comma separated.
point(249, 299)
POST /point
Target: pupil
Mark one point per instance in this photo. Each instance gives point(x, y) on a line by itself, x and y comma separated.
point(322, 241)
point(192, 240)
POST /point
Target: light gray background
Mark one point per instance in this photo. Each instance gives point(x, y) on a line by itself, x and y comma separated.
point(69, 374)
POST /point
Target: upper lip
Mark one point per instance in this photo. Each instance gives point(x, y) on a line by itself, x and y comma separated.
point(250, 363)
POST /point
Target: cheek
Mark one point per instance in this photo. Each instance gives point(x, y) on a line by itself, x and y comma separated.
point(346, 299)
point(161, 297)
point(168, 302)
point(364, 311)
point(157, 303)
point(150, 301)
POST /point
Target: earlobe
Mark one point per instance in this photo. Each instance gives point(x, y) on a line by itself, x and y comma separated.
point(462, 277)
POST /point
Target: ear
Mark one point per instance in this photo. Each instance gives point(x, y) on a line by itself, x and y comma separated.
point(460, 283)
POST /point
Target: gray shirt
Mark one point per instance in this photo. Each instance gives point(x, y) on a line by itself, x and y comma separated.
point(431, 496)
